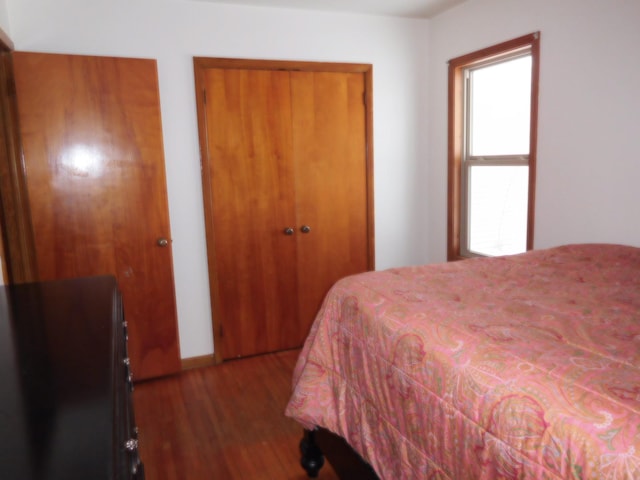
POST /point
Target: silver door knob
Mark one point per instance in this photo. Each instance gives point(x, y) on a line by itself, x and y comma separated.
point(131, 445)
point(162, 242)
point(305, 229)
point(288, 231)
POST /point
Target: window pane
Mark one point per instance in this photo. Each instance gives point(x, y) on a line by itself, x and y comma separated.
point(498, 209)
point(501, 108)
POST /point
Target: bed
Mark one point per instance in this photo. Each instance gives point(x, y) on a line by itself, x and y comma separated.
point(524, 366)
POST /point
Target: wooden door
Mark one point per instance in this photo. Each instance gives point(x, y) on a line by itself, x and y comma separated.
point(248, 116)
point(285, 145)
point(330, 152)
point(93, 153)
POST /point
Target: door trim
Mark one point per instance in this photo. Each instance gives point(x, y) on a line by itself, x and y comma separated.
point(15, 219)
point(201, 64)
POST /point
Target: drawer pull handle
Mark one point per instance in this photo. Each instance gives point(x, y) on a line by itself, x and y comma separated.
point(131, 445)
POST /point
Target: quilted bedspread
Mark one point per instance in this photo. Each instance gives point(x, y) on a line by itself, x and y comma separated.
point(526, 366)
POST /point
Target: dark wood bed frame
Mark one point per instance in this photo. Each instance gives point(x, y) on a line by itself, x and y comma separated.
point(320, 443)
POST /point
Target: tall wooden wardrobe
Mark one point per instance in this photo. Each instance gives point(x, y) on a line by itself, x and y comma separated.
point(288, 197)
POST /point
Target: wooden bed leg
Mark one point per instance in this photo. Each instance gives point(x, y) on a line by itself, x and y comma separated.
point(312, 458)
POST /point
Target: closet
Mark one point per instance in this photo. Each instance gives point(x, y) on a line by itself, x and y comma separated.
point(287, 184)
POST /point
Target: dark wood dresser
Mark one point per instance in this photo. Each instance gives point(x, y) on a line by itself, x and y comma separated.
point(65, 386)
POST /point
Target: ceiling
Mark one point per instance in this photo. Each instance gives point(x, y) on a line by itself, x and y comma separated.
point(396, 8)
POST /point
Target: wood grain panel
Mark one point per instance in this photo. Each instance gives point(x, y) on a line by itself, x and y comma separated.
point(284, 144)
point(93, 152)
point(331, 190)
point(250, 167)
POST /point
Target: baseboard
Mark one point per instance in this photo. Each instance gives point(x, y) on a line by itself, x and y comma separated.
point(198, 362)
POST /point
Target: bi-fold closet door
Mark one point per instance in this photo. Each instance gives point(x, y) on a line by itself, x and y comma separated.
point(288, 196)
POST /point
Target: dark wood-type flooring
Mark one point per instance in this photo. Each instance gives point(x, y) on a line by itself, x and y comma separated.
point(223, 422)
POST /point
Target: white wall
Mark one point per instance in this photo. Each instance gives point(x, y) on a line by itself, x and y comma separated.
point(173, 31)
point(4, 17)
point(588, 181)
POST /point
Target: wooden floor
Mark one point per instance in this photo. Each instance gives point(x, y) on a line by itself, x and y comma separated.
point(223, 422)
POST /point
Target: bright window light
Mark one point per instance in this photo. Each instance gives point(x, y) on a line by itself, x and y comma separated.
point(498, 209)
point(501, 108)
point(496, 165)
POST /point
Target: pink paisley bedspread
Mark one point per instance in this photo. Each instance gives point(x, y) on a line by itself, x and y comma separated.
point(515, 367)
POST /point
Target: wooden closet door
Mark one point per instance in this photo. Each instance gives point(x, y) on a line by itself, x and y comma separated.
point(284, 145)
point(93, 154)
point(249, 177)
point(330, 154)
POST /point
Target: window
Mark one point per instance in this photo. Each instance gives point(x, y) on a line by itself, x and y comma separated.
point(492, 143)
